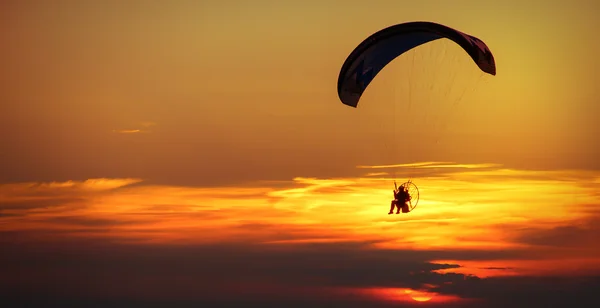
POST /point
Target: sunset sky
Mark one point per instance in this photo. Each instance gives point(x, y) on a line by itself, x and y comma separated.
point(196, 153)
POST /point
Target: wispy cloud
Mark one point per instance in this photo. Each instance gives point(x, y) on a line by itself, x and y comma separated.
point(431, 165)
point(127, 131)
point(398, 165)
point(144, 128)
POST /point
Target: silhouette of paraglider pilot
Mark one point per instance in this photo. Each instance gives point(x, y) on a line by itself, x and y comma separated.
point(401, 199)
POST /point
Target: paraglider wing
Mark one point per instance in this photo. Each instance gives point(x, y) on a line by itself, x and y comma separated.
point(375, 52)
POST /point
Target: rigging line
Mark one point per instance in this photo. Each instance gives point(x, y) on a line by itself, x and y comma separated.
point(394, 152)
point(410, 100)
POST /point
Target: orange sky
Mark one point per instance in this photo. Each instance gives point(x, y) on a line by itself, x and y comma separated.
point(252, 87)
point(203, 123)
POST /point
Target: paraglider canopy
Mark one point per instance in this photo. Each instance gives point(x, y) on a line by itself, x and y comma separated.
point(379, 49)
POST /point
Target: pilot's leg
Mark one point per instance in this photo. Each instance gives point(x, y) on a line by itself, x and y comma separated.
point(392, 207)
point(399, 207)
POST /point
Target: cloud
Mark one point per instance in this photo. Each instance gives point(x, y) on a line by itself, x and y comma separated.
point(429, 165)
point(453, 212)
point(563, 236)
point(312, 240)
point(37, 203)
point(128, 131)
point(315, 266)
point(31, 206)
point(398, 165)
point(425, 169)
point(74, 220)
point(319, 273)
point(146, 125)
point(377, 174)
point(99, 184)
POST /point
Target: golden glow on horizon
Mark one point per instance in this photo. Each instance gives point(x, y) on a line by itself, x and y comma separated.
point(466, 208)
point(410, 295)
point(420, 296)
